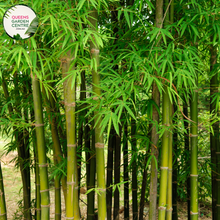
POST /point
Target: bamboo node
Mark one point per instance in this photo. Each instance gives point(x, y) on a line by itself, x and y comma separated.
point(217, 152)
point(35, 76)
point(73, 104)
point(217, 205)
point(194, 213)
point(38, 209)
point(57, 187)
point(70, 183)
point(162, 208)
point(99, 145)
point(103, 190)
point(64, 60)
point(193, 135)
point(169, 210)
point(71, 145)
point(94, 51)
point(43, 165)
point(164, 168)
point(96, 98)
point(45, 206)
point(38, 125)
point(194, 175)
point(69, 217)
point(45, 190)
point(134, 189)
point(3, 214)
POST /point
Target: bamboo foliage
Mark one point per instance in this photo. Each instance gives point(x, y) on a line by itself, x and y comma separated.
point(140, 59)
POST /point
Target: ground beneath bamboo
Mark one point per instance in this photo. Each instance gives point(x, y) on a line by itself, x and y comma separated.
point(13, 193)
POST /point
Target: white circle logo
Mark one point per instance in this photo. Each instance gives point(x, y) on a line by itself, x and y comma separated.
point(20, 22)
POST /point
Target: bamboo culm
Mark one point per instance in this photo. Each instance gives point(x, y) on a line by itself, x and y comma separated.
point(194, 156)
point(175, 171)
point(164, 156)
point(72, 200)
point(169, 208)
point(99, 141)
point(41, 148)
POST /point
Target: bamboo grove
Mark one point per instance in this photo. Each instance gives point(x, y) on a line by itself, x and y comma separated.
point(120, 98)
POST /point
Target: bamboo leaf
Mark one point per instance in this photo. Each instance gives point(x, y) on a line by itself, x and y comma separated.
point(127, 18)
point(115, 122)
point(130, 112)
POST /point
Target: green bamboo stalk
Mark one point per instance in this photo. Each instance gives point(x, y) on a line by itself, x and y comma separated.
point(36, 170)
point(170, 166)
point(72, 202)
point(58, 152)
point(91, 195)
point(214, 137)
point(154, 133)
point(58, 210)
point(41, 148)
point(170, 18)
point(164, 156)
point(37, 179)
point(175, 171)
point(194, 155)
point(186, 144)
point(3, 212)
point(99, 142)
